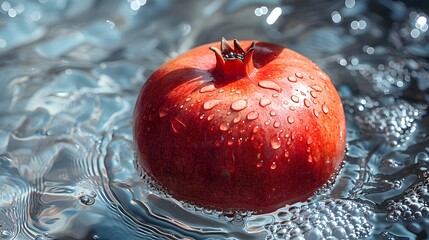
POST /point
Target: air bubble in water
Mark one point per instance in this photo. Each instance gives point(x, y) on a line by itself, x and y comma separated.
point(88, 198)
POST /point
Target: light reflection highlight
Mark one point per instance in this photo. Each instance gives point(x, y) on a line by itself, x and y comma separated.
point(336, 17)
point(136, 4)
point(349, 3)
point(355, 25)
point(274, 15)
point(261, 11)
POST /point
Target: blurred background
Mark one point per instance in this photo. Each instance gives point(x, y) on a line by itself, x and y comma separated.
point(70, 72)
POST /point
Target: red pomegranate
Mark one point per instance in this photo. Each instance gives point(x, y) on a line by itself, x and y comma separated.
point(250, 129)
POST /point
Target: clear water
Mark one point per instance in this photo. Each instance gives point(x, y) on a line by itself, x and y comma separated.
point(70, 72)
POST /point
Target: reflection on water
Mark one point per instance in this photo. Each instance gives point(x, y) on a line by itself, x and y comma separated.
point(70, 72)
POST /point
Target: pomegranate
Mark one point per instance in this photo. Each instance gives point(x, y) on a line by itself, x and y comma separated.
point(252, 126)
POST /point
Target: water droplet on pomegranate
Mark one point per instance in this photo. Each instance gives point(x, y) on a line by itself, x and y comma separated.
point(275, 95)
point(325, 109)
point(218, 142)
point(264, 102)
point(275, 143)
point(270, 85)
point(310, 159)
point(273, 113)
point(260, 164)
point(313, 93)
point(224, 126)
point(317, 88)
point(294, 98)
point(273, 166)
point(188, 99)
point(276, 124)
point(291, 79)
point(286, 153)
point(311, 77)
point(290, 119)
point(252, 115)
point(306, 102)
point(255, 129)
point(299, 75)
point(207, 88)
point(267, 122)
point(221, 91)
point(230, 142)
point(211, 104)
point(292, 108)
point(316, 113)
point(210, 117)
point(177, 125)
point(239, 105)
point(163, 112)
point(236, 119)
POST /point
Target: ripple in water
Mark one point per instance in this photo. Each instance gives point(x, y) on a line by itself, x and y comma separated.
point(70, 75)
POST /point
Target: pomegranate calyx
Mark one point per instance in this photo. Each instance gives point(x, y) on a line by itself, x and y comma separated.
point(233, 62)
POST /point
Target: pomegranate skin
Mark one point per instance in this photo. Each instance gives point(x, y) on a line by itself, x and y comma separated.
point(253, 139)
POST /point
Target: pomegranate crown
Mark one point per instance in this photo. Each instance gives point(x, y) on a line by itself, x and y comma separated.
point(233, 62)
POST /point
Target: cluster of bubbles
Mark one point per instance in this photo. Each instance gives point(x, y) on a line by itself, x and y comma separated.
point(234, 217)
point(386, 78)
point(152, 184)
point(11, 10)
point(327, 219)
point(325, 189)
point(413, 205)
point(396, 119)
point(413, 31)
